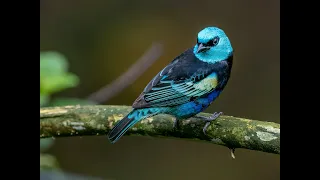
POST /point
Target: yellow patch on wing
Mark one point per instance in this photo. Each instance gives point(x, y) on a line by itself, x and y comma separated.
point(208, 83)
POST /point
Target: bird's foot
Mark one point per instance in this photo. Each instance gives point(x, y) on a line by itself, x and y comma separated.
point(209, 119)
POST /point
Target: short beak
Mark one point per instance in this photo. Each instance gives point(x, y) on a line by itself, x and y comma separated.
point(202, 48)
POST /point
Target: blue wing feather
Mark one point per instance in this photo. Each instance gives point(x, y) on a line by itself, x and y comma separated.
point(183, 80)
point(171, 93)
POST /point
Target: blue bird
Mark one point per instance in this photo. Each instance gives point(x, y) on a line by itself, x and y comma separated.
point(187, 86)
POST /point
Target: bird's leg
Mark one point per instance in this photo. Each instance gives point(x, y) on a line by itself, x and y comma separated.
point(209, 119)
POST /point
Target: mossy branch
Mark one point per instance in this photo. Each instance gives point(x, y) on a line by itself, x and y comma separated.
point(232, 132)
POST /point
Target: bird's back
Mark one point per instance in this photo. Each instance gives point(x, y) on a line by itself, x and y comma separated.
point(184, 68)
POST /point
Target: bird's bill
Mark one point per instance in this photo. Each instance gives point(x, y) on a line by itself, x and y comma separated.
point(202, 48)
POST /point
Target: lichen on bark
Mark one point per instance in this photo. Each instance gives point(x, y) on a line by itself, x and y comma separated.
point(232, 132)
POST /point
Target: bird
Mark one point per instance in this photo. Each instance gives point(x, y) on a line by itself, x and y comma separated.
point(187, 85)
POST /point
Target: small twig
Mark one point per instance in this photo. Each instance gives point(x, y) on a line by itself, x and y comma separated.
point(232, 132)
point(135, 71)
point(232, 153)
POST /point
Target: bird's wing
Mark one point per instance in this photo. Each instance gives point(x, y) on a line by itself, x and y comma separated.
point(182, 81)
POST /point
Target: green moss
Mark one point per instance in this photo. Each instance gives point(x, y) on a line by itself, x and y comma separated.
point(232, 132)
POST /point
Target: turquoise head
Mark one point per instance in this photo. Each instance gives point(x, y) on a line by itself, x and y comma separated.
point(213, 45)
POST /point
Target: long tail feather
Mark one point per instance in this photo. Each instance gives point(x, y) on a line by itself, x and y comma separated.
point(127, 122)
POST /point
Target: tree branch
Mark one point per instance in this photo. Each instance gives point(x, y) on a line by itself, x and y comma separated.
point(232, 132)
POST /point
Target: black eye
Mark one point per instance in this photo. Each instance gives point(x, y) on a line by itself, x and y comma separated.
point(216, 41)
point(213, 41)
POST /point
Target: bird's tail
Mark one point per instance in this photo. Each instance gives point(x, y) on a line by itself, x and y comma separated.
point(131, 119)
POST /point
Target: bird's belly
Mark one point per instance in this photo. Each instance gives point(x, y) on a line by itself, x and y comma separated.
point(187, 110)
point(192, 108)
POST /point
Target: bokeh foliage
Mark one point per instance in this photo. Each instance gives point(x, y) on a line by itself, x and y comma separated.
point(54, 78)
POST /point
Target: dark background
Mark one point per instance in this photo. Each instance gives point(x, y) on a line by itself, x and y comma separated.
point(103, 38)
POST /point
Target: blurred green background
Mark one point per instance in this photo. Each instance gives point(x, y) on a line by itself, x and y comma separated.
point(101, 39)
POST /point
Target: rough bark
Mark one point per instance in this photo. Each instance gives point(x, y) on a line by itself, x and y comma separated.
point(232, 132)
